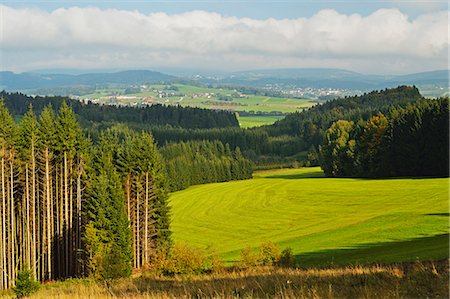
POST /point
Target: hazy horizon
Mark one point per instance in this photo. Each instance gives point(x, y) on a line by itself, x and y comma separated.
point(368, 37)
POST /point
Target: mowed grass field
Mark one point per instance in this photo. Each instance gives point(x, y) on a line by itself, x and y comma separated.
point(324, 220)
point(257, 121)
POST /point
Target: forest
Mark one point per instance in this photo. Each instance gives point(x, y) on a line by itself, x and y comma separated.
point(200, 162)
point(90, 113)
point(300, 131)
point(73, 208)
point(411, 141)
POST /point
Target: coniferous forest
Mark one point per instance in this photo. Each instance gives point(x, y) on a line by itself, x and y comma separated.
point(71, 207)
point(411, 141)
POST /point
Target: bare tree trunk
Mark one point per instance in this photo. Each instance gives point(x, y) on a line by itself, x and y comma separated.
point(66, 214)
point(38, 240)
point(58, 224)
point(70, 246)
point(78, 220)
point(146, 259)
point(48, 209)
point(138, 232)
point(13, 232)
point(29, 240)
point(3, 277)
point(4, 256)
point(33, 234)
point(61, 221)
point(33, 198)
point(133, 224)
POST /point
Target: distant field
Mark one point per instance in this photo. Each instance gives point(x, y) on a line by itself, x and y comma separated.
point(256, 121)
point(202, 97)
point(324, 220)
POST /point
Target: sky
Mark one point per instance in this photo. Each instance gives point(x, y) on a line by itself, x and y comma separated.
point(372, 37)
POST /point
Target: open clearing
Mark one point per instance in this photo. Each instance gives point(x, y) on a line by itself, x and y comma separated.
point(257, 121)
point(324, 220)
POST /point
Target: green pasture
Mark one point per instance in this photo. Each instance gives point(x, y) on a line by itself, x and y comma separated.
point(196, 97)
point(257, 121)
point(324, 220)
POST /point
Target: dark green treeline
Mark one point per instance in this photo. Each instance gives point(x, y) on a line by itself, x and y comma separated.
point(200, 162)
point(70, 207)
point(410, 141)
point(90, 113)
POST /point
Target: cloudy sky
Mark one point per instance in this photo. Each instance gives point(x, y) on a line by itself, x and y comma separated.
point(374, 37)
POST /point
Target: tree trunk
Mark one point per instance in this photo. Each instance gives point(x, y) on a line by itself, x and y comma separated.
point(4, 276)
point(78, 214)
point(146, 259)
point(137, 231)
point(66, 214)
point(34, 202)
point(48, 209)
point(13, 231)
point(29, 240)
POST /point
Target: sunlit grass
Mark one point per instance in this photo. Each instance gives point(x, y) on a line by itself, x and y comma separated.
point(415, 280)
point(324, 220)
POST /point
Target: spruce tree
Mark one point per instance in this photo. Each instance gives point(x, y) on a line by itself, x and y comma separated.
point(108, 237)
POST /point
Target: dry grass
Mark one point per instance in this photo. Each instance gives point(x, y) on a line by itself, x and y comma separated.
point(412, 280)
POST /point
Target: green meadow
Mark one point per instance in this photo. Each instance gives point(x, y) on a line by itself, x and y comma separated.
point(195, 96)
point(324, 220)
point(257, 121)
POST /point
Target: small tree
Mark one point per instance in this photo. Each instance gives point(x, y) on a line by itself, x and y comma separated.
point(287, 259)
point(25, 283)
point(269, 253)
point(248, 258)
point(184, 259)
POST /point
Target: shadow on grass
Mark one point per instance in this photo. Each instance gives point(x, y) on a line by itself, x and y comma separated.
point(320, 174)
point(439, 214)
point(307, 175)
point(426, 248)
point(397, 280)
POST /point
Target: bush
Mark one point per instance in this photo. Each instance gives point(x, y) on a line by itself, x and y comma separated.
point(269, 253)
point(217, 264)
point(248, 258)
point(185, 260)
point(287, 259)
point(25, 283)
point(214, 262)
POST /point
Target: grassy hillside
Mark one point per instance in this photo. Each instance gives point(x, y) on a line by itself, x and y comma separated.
point(324, 220)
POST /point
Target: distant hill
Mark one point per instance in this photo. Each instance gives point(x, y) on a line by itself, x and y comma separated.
point(295, 77)
point(334, 78)
point(26, 81)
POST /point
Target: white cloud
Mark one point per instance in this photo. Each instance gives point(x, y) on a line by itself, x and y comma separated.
point(385, 41)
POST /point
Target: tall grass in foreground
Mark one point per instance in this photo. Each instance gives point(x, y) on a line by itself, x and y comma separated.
point(408, 280)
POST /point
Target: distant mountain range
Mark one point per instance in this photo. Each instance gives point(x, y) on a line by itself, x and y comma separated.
point(27, 81)
point(335, 78)
point(307, 77)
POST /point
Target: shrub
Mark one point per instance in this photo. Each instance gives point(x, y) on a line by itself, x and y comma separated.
point(269, 253)
point(184, 259)
point(158, 260)
point(287, 259)
point(25, 283)
point(248, 258)
point(214, 261)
